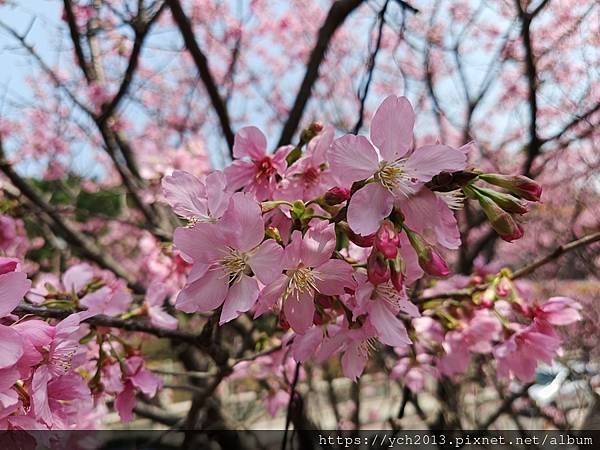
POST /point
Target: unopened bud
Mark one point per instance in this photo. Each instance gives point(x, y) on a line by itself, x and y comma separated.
point(517, 184)
point(387, 240)
point(429, 259)
point(507, 202)
point(336, 195)
point(502, 222)
point(397, 269)
point(361, 241)
point(310, 132)
point(377, 268)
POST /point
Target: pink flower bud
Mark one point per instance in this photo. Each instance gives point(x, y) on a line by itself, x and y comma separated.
point(397, 268)
point(507, 202)
point(435, 265)
point(502, 222)
point(361, 241)
point(397, 280)
point(429, 259)
point(377, 268)
point(336, 195)
point(517, 184)
point(387, 240)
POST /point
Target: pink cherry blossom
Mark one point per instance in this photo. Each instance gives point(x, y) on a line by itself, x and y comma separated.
point(257, 175)
point(156, 294)
point(383, 303)
point(519, 355)
point(224, 256)
point(392, 171)
point(309, 177)
point(196, 200)
point(308, 270)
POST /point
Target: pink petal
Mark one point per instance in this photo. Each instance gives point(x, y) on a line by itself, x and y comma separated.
point(368, 207)
point(160, 318)
point(125, 402)
point(217, 193)
point(8, 377)
point(425, 211)
point(299, 311)
point(413, 270)
point(266, 261)
point(205, 294)
point(270, 295)
point(146, 382)
point(430, 160)
point(305, 345)
point(13, 286)
point(293, 251)
point(392, 127)
point(243, 220)
point(251, 142)
point(352, 158)
point(156, 293)
point(77, 277)
point(202, 243)
point(39, 387)
point(239, 174)
point(242, 297)
point(11, 347)
point(354, 361)
point(390, 330)
point(334, 276)
point(185, 193)
point(318, 244)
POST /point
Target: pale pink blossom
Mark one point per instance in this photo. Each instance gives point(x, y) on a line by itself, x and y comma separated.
point(386, 161)
point(194, 199)
point(224, 255)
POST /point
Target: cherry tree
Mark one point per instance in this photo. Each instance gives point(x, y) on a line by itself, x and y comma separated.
point(427, 165)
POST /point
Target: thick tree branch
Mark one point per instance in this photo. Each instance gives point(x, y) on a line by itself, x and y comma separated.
point(112, 322)
point(76, 38)
point(80, 241)
point(187, 32)
point(338, 13)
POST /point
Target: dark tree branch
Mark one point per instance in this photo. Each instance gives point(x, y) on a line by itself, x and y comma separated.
point(141, 28)
point(80, 241)
point(534, 145)
point(187, 32)
point(112, 322)
point(362, 96)
point(338, 13)
point(76, 38)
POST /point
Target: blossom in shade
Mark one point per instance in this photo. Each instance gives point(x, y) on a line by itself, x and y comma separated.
point(519, 354)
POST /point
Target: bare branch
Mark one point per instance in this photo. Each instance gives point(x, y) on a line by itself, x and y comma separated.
point(338, 13)
point(80, 241)
point(187, 32)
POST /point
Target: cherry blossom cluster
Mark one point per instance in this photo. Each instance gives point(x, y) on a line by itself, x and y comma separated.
point(331, 235)
point(60, 374)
